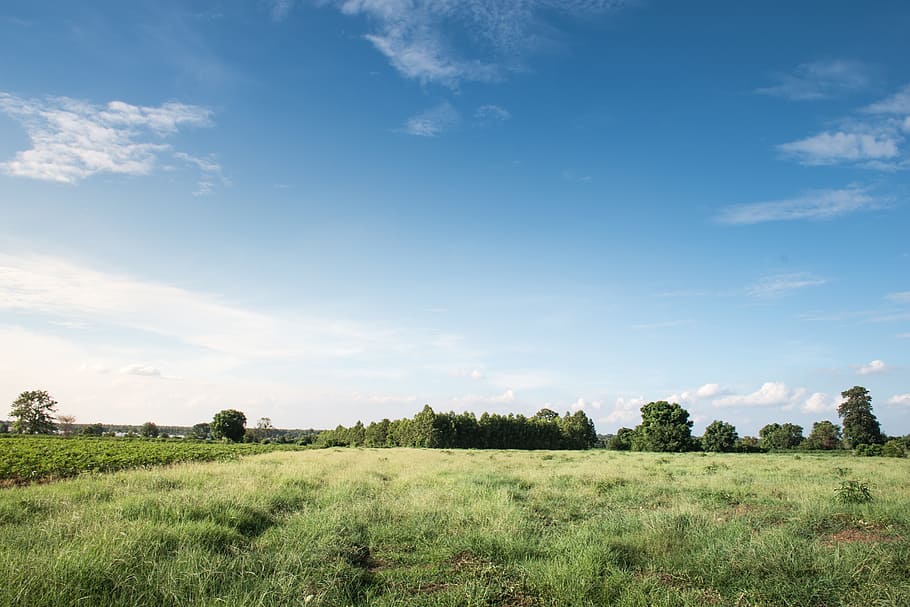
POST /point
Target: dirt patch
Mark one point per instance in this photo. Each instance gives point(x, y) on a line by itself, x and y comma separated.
point(466, 560)
point(859, 536)
point(432, 587)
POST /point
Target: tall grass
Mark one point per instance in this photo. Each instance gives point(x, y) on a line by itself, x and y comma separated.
point(422, 527)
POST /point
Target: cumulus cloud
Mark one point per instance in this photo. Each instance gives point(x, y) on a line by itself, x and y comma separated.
point(708, 391)
point(625, 410)
point(813, 205)
point(433, 121)
point(819, 402)
point(72, 140)
point(771, 394)
point(872, 368)
point(819, 80)
point(585, 405)
point(899, 399)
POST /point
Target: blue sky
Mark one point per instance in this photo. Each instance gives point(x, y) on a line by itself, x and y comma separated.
point(327, 211)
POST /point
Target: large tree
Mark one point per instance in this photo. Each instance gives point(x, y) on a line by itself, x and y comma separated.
point(825, 435)
point(860, 425)
point(664, 427)
point(781, 436)
point(719, 436)
point(34, 413)
point(149, 430)
point(229, 424)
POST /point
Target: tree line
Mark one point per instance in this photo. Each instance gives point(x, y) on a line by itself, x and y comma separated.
point(664, 427)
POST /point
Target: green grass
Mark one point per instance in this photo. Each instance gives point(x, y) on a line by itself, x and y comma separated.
point(422, 527)
point(34, 458)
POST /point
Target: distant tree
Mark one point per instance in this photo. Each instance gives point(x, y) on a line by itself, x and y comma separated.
point(824, 436)
point(34, 413)
point(376, 434)
point(547, 415)
point(664, 427)
point(93, 430)
point(4, 427)
point(894, 448)
point(860, 425)
point(719, 436)
point(622, 440)
point(781, 436)
point(201, 431)
point(577, 431)
point(149, 430)
point(66, 423)
point(229, 424)
point(749, 444)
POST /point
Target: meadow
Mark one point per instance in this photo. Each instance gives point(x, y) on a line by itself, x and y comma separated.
point(424, 527)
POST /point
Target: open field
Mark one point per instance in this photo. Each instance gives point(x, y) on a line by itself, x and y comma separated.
point(429, 527)
point(35, 458)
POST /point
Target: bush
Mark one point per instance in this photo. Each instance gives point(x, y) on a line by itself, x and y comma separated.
point(893, 448)
point(853, 492)
point(868, 450)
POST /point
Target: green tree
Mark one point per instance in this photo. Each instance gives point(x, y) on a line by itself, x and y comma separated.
point(719, 436)
point(34, 413)
point(577, 431)
point(824, 436)
point(664, 427)
point(860, 425)
point(622, 440)
point(93, 430)
point(201, 431)
point(149, 430)
point(229, 424)
point(781, 436)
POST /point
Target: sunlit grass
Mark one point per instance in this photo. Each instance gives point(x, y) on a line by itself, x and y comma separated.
point(424, 527)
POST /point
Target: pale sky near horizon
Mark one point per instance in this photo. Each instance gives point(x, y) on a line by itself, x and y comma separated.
point(325, 211)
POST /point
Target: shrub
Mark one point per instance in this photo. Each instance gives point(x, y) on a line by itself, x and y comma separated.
point(868, 450)
point(893, 448)
point(853, 492)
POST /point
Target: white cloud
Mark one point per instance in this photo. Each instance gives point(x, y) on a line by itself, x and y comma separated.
point(142, 370)
point(783, 284)
point(902, 297)
point(872, 368)
point(899, 399)
point(432, 122)
point(505, 398)
point(73, 140)
point(625, 410)
point(832, 148)
point(450, 41)
point(898, 103)
point(63, 290)
point(816, 204)
point(476, 374)
point(585, 405)
point(771, 394)
point(819, 80)
point(819, 402)
point(210, 172)
point(489, 114)
point(708, 391)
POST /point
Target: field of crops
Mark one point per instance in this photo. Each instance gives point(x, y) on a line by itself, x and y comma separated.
point(33, 458)
point(415, 527)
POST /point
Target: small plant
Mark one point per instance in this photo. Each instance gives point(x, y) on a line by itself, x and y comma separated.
point(853, 492)
point(842, 472)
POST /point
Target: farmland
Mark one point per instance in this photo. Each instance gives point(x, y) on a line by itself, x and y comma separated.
point(36, 458)
point(435, 527)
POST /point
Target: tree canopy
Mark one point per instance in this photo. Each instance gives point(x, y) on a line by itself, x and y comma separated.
point(860, 424)
point(664, 427)
point(34, 413)
point(229, 424)
point(824, 436)
point(719, 436)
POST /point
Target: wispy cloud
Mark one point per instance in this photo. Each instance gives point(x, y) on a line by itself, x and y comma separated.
point(898, 103)
point(210, 172)
point(838, 147)
point(899, 399)
point(664, 324)
point(491, 114)
point(783, 284)
point(574, 177)
point(73, 140)
point(771, 394)
point(813, 205)
point(902, 297)
point(447, 42)
point(872, 368)
point(433, 121)
point(819, 80)
point(141, 370)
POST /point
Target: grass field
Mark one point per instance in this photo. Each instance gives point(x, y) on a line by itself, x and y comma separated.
point(423, 527)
